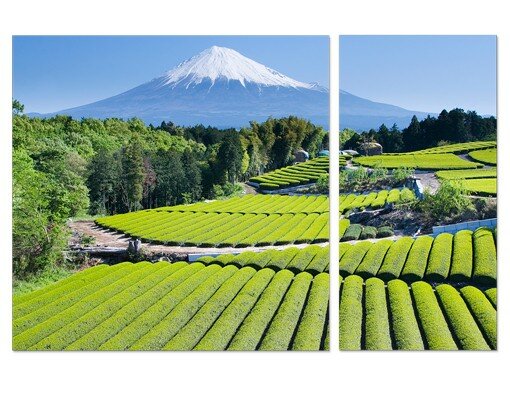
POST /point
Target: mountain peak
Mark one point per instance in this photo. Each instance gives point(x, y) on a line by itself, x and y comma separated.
point(222, 63)
point(218, 87)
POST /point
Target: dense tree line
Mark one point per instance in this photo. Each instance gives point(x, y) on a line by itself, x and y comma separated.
point(64, 168)
point(455, 126)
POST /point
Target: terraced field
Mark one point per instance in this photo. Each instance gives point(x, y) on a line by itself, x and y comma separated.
point(180, 306)
point(457, 148)
point(313, 259)
point(374, 199)
point(480, 182)
point(425, 292)
point(422, 161)
point(487, 156)
point(393, 316)
point(294, 175)
point(464, 257)
point(467, 174)
point(480, 187)
point(251, 220)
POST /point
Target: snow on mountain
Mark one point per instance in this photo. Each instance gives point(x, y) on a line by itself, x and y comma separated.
point(218, 87)
point(224, 63)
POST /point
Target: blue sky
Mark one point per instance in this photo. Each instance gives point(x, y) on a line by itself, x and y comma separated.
point(421, 73)
point(51, 73)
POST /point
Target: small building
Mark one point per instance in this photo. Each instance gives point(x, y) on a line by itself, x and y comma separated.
point(301, 155)
point(371, 149)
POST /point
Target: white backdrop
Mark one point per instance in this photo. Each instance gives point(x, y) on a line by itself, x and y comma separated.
point(391, 375)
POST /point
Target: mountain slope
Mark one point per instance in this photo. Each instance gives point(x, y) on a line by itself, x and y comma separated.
point(219, 87)
point(362, 114)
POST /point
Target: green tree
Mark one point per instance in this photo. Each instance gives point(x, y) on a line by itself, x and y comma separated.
point(346, 135)
point(229, 160)
point(38, 236)
point(449, 201)
point(412, 135)
point(170, 178)
point(104, 174)
point(132, 173)
point(17, 107)
point(192, 183)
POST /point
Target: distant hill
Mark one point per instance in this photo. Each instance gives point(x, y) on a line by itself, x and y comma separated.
point(218, 87)
point(361, 114)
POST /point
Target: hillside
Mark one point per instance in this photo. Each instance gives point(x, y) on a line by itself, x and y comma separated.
point(362, 114)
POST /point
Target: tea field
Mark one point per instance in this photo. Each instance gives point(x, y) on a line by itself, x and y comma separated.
point(374, 200)
point(294, 175)
point(421, 161)
point(487, 156)
point(182, 306)
point(251, 220)
point(394, 316)
point(466, 256)
point(458, 148)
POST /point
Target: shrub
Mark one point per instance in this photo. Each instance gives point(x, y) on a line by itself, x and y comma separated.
point(449, 201)
point(377, 325)
point(310, 329)
point(320, 263)
point(36, 328)
point(385, 231)
point(485, 262)
point(492, 295)
point(283, 325)
point(405, 327)
point(484, 313)
point(305, 256)
point(416, 263)
point(176, 319)
point(353, 257)
point(433, 323)
point(29, 314)
point(253, 327)
point(189, 336)
point(440, 257)
point(351, 313)
point(129, 313)
point(369, 232)
point(157, 312)
point(464, 326)
point(462, 256)
point(395, 259)
point(373, 259)
point(352, 232)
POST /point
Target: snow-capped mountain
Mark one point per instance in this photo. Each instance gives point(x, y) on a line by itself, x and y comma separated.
point(361, 114)
point(220, 63)
point(218, 86)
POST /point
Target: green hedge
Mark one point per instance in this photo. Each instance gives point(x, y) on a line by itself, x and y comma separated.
point(403, 321)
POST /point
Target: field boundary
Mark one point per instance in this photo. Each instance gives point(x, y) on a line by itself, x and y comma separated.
point(469, 225)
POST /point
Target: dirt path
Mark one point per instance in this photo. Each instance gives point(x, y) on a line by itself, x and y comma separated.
point(429, 181)
point(107, 238)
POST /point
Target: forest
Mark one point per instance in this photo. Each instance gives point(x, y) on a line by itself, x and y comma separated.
point(455, 126)
point(64, 168)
